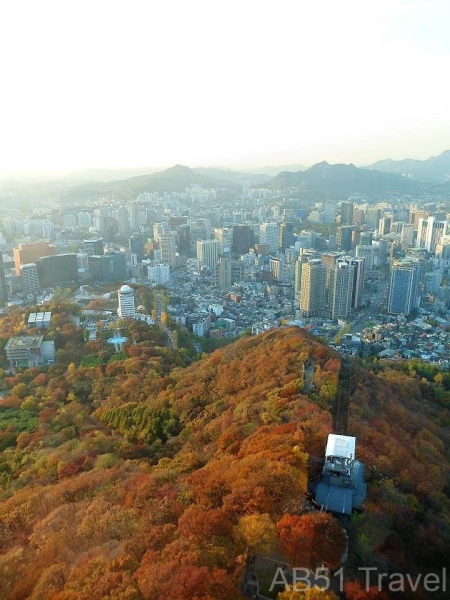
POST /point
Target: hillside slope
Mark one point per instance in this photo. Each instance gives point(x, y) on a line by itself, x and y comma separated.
point(139, 480)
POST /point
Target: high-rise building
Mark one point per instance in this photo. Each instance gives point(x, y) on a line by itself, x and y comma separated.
point(94, 247)
point(344, 237)
point(329, 259)
point(286, 236)
point(29, 278)
point(29, 253)
point(430, 232)
point(168, 248)
point(184, 236)
point(407, 237)
point(373, 216)
point(347, 213)
point(329, 212)
point(200, 229)
point(54, 270)
point(384, 225)
point(368, 253)
point(123, 221)
point(84, 219)
point(403, 294)
point(383, 249)
point(158, 274)
point(366, 238)
point(224, 237)
point(242, 239)
point(126, 308)
point(134, 217)
point(207, 253)
point(3, 287)
point(224, 272)
point(312, 291)
point(340, 291)
point(268, 234)
point(136, 245)
point(276, 266)
point(109, 267)
point(358, 279)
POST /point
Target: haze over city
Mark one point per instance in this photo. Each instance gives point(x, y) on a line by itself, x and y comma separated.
point(236, 84)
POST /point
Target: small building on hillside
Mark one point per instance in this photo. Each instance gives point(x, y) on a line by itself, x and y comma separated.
point(342, 488)
point(29, 351)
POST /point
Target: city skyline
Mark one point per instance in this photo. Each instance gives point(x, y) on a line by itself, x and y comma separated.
point(110, 85)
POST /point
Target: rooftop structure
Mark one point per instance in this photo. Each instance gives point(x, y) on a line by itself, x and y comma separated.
point(29, 350)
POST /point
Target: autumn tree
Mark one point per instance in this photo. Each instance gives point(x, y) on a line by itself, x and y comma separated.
point(312, 539)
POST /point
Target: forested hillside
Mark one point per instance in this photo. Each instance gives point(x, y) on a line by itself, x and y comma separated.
point(140, 476)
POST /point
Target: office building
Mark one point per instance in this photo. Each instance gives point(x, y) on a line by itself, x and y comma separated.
point(347, 213)
point(207, 253)
point(242, 239)
point(344, 238)
point(84, 219)
point(3, 288)
point(126, 308)
point(358, 279)
point(224, 237)
point(430, 232)
point(407, 234)
point(224, 272)
point(403, 294)
point(384, 225)
point(109, 267)
point(58, 269)
point(94, 247)
point(136, 246)
point(276, 266)
point(29, 278)
point(184, 239)
point(287, 237)
point(168, 247)
point(158, 274)
point(269, 234)
point(29, 253)
point(368, 253)
point(123, 221)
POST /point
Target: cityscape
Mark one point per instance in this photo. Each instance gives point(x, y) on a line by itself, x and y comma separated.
point(225, 300)
point(369, 275)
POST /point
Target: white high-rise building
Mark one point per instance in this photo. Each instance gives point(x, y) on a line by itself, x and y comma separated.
point(368, 253)
point(84, 219)
point(207, 253)
point(269, 234)
point(168, 248)
point(224, 236)
point(29, 278)
point(407, 234)
point(430, 232)
point(126, 303)
point(158, 274)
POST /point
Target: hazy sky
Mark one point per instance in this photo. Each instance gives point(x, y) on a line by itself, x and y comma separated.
point(115, 83)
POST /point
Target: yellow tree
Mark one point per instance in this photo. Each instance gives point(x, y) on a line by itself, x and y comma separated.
point(258, 532)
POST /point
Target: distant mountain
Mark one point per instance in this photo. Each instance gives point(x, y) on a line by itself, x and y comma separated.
point(436, 168)
point(241, 178)
point(272, 171)
point(345, 179)
point(175, 179)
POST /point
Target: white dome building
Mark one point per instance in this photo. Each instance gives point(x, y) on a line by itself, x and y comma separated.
point(126, 308)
